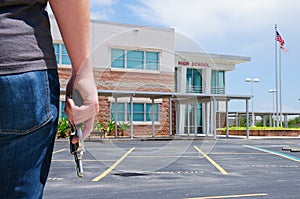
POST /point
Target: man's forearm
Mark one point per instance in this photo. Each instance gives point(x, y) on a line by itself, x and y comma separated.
point(73, 19)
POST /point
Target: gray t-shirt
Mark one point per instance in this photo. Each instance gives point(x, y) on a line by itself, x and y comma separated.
point(25, 37)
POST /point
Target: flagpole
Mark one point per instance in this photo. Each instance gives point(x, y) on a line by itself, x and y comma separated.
point(280, 93)
point(276, 76)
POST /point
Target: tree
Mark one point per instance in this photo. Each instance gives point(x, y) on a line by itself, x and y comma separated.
point(294, 123)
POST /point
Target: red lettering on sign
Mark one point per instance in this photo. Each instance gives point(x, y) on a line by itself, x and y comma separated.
point(183, 63)
point(200, 64)
point(186, 63)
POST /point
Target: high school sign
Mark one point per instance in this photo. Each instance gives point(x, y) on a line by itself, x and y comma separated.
point(197, 64)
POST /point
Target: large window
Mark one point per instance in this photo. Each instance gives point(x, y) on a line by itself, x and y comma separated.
point(193, 81)
point(134, 59)
point(217, 82)
point(142, 112)
point(61, 54)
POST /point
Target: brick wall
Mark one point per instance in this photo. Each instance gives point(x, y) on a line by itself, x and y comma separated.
point(119, 80)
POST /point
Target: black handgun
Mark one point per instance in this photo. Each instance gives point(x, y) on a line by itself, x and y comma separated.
point(78, 148)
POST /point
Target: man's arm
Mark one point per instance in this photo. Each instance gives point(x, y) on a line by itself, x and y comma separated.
point(73, 20)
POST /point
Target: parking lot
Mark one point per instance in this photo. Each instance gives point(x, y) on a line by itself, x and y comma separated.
point(203, 168)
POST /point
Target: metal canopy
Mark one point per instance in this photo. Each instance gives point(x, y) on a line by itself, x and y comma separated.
point(180, 97)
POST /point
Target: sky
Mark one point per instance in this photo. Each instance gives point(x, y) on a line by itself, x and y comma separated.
point(228, 27)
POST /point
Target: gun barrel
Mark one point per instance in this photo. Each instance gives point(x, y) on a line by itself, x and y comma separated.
point(79, 167)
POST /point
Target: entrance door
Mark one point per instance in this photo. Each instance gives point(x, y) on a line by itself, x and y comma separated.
point(193, 115)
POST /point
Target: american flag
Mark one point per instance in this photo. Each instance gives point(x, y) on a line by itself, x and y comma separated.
point(279, 38)
point(281, 41)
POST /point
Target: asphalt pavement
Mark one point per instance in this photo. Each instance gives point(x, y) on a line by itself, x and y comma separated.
point(178, 169)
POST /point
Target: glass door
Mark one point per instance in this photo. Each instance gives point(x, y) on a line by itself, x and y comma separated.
point(193, 114)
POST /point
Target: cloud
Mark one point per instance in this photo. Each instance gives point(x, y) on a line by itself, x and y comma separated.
point(104, 2)
point(103, 14)
point(102, 9)
point(216, 18)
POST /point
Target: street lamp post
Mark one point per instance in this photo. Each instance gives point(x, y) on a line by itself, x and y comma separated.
point(254, 80)
point(272, 91)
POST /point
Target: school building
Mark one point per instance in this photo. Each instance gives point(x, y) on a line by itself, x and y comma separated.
point(142, 80)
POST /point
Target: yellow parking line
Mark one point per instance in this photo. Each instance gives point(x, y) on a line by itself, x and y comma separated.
point(70, 160)
point(96, 179)
point(61, 150)
point(233, 196)
point(212, 161)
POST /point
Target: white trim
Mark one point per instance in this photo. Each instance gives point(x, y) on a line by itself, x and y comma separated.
point(135, 100)
point(134, 70)
point(148, 123)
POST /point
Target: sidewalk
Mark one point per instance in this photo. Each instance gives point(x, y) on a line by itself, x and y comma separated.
point(184, 137)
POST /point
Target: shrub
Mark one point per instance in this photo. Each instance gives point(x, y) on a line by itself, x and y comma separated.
point(123, 127)
point(110, 127)
point(63, 128)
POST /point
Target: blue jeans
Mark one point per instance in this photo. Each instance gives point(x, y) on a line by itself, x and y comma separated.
point(29, 108)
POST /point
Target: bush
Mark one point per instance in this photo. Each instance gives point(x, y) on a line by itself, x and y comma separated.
point(110, 127)
point(98, 127)
point(123, 127)
point(63, 128)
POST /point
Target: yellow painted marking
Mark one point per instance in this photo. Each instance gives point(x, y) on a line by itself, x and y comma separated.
point(71, 160)
point(54, 152)
point(233, 196)
point(113, 166)
point(211, 161)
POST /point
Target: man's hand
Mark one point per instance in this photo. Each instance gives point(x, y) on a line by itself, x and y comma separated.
point(83, 82)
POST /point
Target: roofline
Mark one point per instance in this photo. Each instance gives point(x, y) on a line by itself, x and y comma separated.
point(217, 56)
point(131, 25)
point(125, 24)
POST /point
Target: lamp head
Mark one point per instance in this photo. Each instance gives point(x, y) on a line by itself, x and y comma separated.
point(248, 79)
point(255, 80)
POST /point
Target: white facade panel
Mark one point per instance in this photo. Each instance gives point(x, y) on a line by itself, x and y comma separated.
point(55, 30)
point(105, 36)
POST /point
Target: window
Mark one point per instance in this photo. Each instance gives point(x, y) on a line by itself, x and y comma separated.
point(61, 54)
point(134, 59)
point(64, 56)
point(142, 112)
point(149, 112)
point(151, 60)
point(193, 81)
point(217, 82)
point(120, 111)
point(56, 51)
point(118, 58)
point(62, 108)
